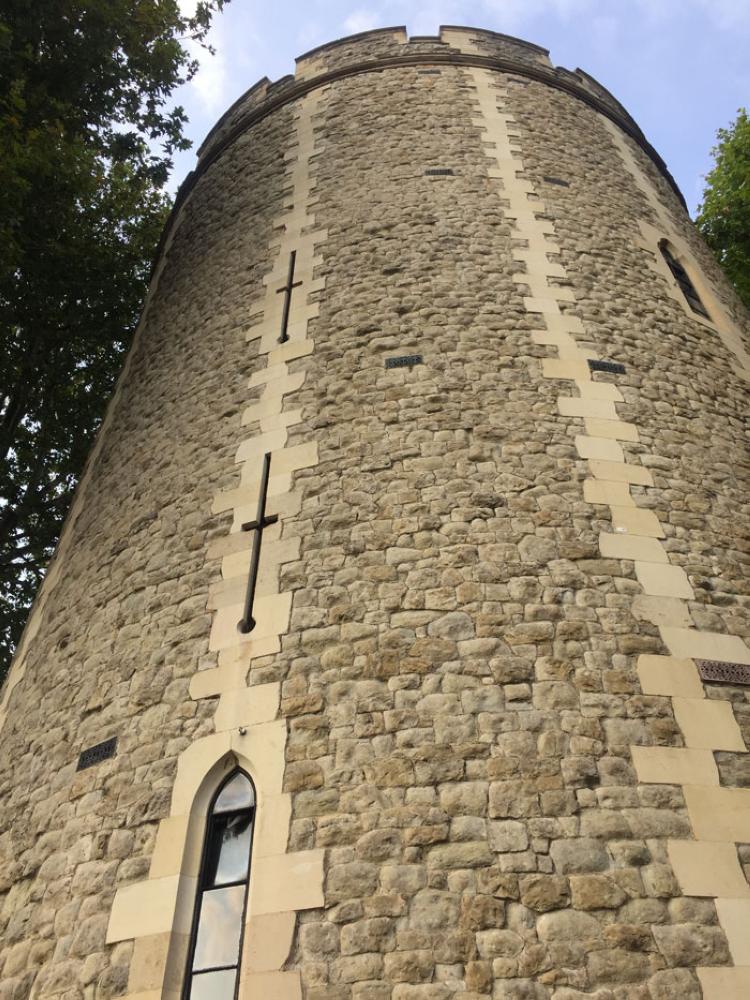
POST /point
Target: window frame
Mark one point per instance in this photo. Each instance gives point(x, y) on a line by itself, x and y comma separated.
point(201, 888)
point(683, 280)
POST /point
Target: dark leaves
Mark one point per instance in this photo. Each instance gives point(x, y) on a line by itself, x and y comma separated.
point(87, 144)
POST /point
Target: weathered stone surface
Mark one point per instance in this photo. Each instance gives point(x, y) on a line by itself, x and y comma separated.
point(581, 854)
point(692, 944)
point(544, 892)
point(459, 676)
point(508, 836)
point(616, 965)
point(566, 925)
point(674, 984)
point(594, 892)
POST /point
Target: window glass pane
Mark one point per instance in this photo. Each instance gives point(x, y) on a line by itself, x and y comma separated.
point(218, 939)
point(213, 985)
point(236, 794)
point(228, 853)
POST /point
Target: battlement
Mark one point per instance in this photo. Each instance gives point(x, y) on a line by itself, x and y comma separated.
point(385, 47)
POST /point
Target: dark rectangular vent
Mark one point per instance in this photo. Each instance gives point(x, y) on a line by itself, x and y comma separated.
point(723, 673)
point(439, 172)
point(405, 361)
point(429, 72)
point(95, 755)
point(557, 180)
point(611, 367)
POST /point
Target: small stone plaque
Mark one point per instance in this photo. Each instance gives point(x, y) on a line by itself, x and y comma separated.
point(429, 72)
point(720, 672)
point(611, 367)
point(96, 754)
point(405, 361)
point(439, 172)
point(557, 180)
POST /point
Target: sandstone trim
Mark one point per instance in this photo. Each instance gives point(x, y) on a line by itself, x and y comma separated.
point(720, 817)
point(310, 75)
point(157, 913)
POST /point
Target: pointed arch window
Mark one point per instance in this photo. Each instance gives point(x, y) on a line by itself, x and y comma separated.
point(682, 278)
point(216, 939)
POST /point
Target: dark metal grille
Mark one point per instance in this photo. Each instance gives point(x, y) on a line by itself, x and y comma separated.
point(439, 172)
point(556, 180)
point(405, 361)
point(611, 367)
point(95, 755)
point(723, 673)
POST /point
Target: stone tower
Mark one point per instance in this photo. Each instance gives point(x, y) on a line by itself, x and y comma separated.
point(410, 567)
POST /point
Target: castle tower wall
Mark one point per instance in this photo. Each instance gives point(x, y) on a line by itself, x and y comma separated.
point(485, 761)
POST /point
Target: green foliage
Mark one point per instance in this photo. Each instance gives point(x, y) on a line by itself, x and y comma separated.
point(724, 216)
point(87, 138)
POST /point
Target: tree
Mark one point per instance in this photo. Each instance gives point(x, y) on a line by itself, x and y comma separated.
point(87, 136)
point(724, 216)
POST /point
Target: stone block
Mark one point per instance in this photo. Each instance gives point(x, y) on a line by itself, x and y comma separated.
point(708, 869)
point(599, 390)
point(690, 643)
point(670, 676)
point(544, 892)
point(279, 985)
point(267, 941)
point(622, 546)
point(601, 491)
point(719, 813)
point(636, 521)
point(596, 892)
point(663, 580)
point(691, 944)
point(599, 448)
point(570, 406)
point(568, 925)
point(620, 472)
point(725, 984)
point(287, 882)
point(734, 917)
point(618, 430)
point(674, 766)
point(708, 723)
point(669, 611)
point(579, 854)
point(508, 835)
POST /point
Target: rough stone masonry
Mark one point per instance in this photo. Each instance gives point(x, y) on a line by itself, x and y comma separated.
point(485, 759)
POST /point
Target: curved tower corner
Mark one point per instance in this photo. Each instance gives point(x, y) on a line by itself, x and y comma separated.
point(420, 516)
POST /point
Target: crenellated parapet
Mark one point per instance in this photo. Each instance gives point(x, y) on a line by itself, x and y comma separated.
point(389, 48)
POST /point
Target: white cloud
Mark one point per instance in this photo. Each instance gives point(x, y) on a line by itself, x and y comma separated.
point(428, 18)
point(604, 33)
point(362, 20)
point(727, 15)
point(210, 82)
point(209, 85)
point(515, 13)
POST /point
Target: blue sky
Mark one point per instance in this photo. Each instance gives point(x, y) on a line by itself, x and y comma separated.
point(681, 67)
